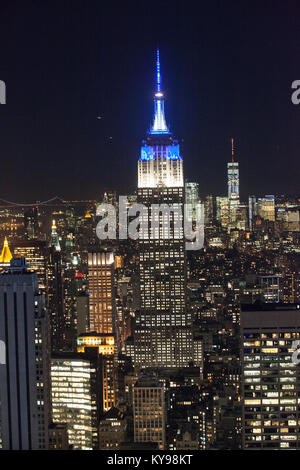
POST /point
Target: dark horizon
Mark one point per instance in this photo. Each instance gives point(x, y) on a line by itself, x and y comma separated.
point(226, 72)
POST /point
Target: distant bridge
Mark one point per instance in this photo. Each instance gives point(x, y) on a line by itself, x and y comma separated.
point(55, 199)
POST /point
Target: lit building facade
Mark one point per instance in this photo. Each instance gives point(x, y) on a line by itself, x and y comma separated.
point(101, 292)
point(266, 207)
point(270, 378)
point(233, 182)
point(149, 410)
point(222, 211)
point(75, 387)
point(162, 332)
point(105, 345)
point(6, 255)
point(36, 254)
point(261, 208)
point(24, 378)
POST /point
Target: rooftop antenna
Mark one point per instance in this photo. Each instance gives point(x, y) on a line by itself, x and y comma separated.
point(157, 71)
point(232, 149)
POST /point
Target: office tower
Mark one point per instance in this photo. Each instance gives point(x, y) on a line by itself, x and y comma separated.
point(222, 211)
point(24, 380)
point(149, 410)
point(105, 345)
point(233, 185)
point(102, 318)
point(36, 254)
point(261, 208)
point(6, 255)
point(75, 386)
point(101, 291)
point(162, 333)
point(270, 377)
point(266, 207)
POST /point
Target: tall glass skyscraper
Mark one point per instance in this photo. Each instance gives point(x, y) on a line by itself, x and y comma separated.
point(163, 326)
point(233, 182)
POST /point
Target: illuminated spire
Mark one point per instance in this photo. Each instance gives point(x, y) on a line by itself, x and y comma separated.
point(159, 123)
point(232, 149)
point(6, 255)
point(157, 71)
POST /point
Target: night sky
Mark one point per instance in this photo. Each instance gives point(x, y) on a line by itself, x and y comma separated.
point(227, 69)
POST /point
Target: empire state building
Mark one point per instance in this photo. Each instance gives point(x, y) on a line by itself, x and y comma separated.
point(163, 336)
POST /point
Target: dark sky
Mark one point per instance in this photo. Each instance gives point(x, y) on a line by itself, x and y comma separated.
point(227, 68)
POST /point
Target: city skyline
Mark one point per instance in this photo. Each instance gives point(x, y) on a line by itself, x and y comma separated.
point(90, 114)
point(150, 289)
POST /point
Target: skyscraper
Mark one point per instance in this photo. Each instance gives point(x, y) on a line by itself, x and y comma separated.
point(270, 377)
point(54, 237)
point(233, 182)
point(105, 345)
point(162, 332)
point(101, 293)
point(24, 381)
point(102, 320)
point(149, 410)
point(75, 390)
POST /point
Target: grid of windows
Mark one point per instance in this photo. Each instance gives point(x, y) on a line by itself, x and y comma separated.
point(271, 389)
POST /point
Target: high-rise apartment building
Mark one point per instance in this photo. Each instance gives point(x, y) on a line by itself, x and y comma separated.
point(24, 380)
point(270, 376)
point(162, 332)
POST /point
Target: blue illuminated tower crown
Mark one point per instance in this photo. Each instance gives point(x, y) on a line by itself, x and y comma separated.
point(160, 162)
